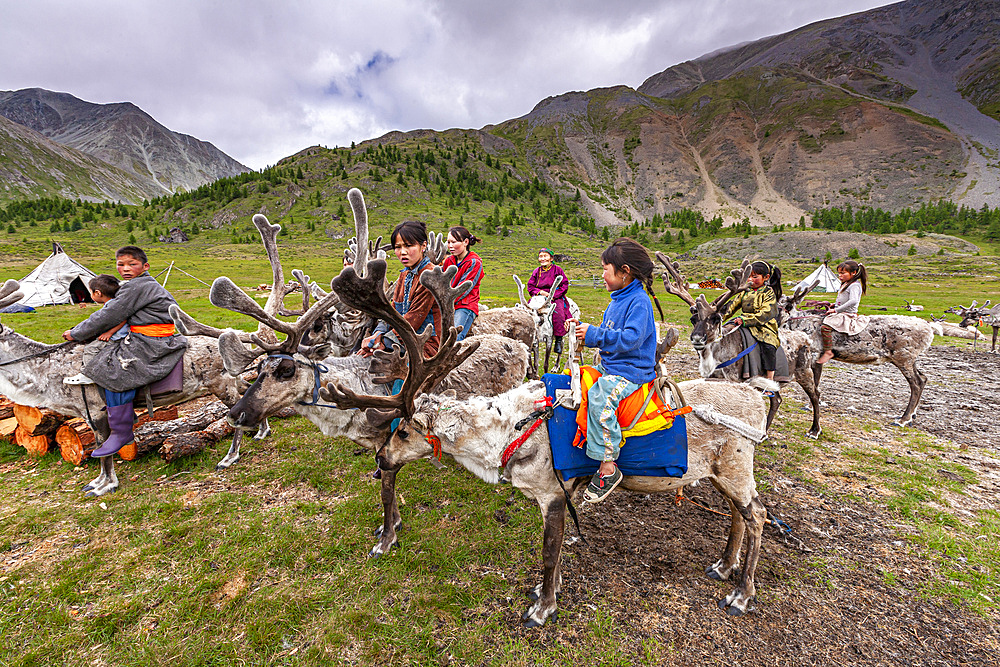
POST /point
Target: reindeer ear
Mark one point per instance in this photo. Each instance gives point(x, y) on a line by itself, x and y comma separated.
point(235, 355)
point(422, 421)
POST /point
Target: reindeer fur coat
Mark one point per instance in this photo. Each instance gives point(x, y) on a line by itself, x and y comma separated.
point(137, 359)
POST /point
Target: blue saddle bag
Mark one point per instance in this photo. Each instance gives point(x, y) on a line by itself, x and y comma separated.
point(658, 454)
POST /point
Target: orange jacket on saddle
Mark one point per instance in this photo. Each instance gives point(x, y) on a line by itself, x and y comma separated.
point(654, 415)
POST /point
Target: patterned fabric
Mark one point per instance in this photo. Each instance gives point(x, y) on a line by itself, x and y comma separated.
point(760, 312)
point(641, 399)
point(845, 317)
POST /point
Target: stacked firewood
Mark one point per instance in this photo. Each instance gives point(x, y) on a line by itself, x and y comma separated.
point(39, 431)
point(711, 283)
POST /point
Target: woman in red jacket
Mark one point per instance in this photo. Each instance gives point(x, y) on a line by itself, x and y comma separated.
point(470, 267)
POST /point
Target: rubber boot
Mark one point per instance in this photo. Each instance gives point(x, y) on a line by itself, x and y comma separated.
point(120, 419)
point(557, 348)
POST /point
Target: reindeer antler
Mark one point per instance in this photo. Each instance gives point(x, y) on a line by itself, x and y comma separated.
point(437, 249)
point(225, 294)
point(736, 282)
point(365, 294)
point(520, 290)
point(679, 287)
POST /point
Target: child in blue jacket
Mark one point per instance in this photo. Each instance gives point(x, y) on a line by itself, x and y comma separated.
point(627, 341)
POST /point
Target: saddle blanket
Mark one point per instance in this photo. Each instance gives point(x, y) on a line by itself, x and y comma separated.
point(658, 454)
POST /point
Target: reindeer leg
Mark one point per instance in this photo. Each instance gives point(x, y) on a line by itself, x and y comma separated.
point(233, 455)
point(110, 483)
point(391, 519)
point(993, 348)
point(721, 569)
point(548, 352)
point(916, 380)
point(774, 402)
point(740, 600)
point(263, 431)
point(808, 379)
point(554, 522)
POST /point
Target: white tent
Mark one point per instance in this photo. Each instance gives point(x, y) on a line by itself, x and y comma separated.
point(59, 279)
point(828, 281)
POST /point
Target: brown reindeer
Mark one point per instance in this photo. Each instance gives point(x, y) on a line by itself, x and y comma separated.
point(896, 339)
point(291, 375)
point(716, 347)
point(476, 431)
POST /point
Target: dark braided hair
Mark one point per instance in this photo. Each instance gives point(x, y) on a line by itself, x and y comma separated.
point(628, 253)
point(762, 268)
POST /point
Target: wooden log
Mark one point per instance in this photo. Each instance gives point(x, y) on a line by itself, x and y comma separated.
point(6, 407)
point(150, 437)
point(37, 421)
point(7, 427)
point(185, 444)
point(163, 414)
point(75, 440)
point(37, 445)
point(129, 452)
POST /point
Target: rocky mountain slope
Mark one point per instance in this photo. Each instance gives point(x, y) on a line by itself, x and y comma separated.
point(866, 109)
point(121, 135)
point(33, 166)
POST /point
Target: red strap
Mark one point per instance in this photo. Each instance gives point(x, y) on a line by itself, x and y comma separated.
point(435, 442)
point(514, 446)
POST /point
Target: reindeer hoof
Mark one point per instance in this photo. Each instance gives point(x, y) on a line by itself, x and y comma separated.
point(813, 435)
point(378, 551)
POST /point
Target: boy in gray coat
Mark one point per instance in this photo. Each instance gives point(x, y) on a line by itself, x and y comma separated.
point(147, 354)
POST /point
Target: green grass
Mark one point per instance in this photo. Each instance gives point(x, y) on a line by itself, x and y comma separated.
point(265, 563)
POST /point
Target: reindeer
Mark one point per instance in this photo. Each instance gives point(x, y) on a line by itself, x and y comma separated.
point(476, 431)
point(718, 348)
point(291, 374)
point(911, 307)
point(897, 339)
point(516, 323)
point(31, 373)
point(541, 308)
point(976, 315)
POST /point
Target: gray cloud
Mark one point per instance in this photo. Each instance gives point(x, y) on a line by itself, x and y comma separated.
point(262, 80)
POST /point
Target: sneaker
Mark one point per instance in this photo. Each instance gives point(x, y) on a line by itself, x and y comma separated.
point(79, 378)
point(601, 486)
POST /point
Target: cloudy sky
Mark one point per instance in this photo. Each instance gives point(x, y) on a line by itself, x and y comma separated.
point(263, 80)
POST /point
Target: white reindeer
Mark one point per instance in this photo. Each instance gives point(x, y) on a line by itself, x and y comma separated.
point(542, 308)
point(477, 431)
point(31, 373)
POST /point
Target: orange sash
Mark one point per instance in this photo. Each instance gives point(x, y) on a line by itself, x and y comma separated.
point(655, 415)
point(154, 330)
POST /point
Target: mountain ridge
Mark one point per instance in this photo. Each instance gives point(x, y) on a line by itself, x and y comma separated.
point(122, 135)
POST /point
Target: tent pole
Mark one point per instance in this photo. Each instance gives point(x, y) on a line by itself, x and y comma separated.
point(167, 277)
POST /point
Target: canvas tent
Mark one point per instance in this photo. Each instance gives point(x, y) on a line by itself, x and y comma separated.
point(828, 281)
point(59, 279)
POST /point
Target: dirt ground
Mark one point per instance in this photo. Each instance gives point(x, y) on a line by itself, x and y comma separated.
point(855, 598)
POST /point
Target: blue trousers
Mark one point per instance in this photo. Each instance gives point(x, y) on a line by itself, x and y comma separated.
point(604, 433)
point(113, 398)
point(463, 320)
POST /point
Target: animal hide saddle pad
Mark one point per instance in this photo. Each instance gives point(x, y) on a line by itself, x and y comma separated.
point(661, 453)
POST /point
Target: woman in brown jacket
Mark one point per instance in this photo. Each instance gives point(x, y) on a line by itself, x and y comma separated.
point(410, 298)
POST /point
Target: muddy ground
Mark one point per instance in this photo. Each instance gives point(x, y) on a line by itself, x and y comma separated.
point(854, 598)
